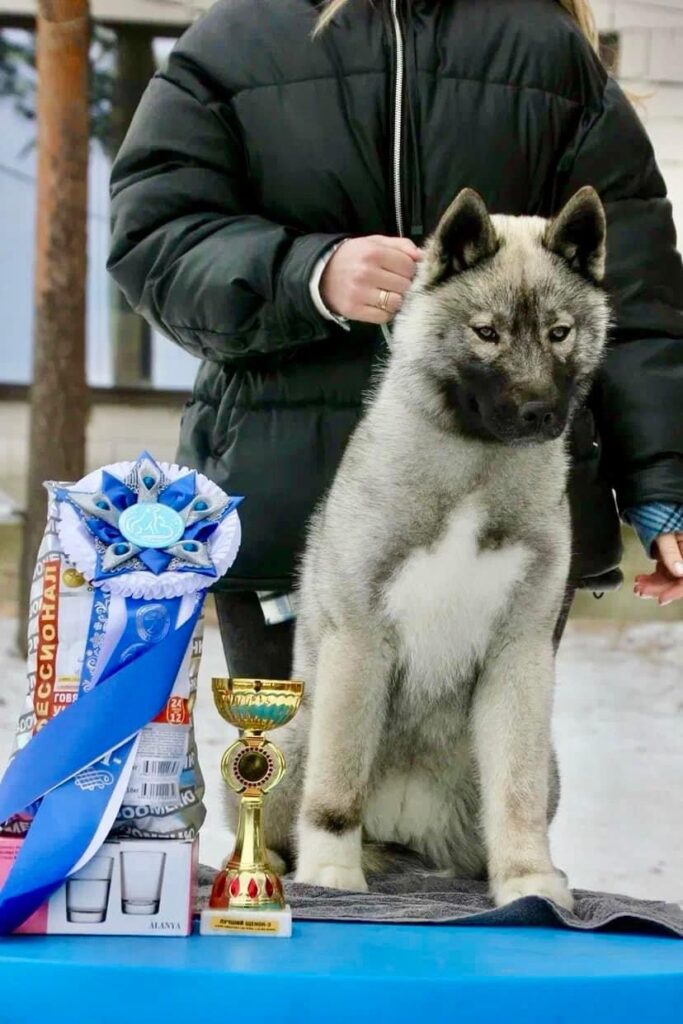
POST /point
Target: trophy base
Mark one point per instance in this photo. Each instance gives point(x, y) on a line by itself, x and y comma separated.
point(274, 924)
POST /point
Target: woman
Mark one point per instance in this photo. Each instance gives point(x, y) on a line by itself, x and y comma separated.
point(265, 145)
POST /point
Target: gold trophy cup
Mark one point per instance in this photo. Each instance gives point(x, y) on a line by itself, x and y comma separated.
point(247, 894)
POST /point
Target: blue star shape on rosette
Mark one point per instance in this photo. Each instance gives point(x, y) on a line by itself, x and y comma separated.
point(149, 522)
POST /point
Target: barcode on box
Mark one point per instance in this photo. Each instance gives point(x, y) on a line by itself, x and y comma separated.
point(149, 766)
point(157, 790)
point(145, 791)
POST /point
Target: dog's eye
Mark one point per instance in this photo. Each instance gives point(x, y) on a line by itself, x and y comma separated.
point(559, 333)
point(486, 333)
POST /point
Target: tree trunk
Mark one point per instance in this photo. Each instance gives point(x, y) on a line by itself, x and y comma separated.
point(58, 392)
point(131, 335)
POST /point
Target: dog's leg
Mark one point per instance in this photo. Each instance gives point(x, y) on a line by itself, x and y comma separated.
point(346, 723)
point(511, 721)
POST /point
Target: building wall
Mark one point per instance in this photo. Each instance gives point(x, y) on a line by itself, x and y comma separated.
point(115, 432)
point(651, 66)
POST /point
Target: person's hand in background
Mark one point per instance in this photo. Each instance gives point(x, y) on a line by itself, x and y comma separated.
point(361, 269)
point(666, 582)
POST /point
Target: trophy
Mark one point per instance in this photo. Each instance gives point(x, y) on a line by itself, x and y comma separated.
point(247, 894)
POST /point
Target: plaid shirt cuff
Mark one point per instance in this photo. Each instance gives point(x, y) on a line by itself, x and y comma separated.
point(651, 520)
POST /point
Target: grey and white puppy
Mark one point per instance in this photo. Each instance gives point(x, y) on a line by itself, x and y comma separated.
point(435, 568)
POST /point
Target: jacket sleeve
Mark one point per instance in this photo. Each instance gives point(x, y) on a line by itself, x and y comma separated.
point(188, 248)
point(638, 396)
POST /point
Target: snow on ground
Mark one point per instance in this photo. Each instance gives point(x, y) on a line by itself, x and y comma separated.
point(618, 729)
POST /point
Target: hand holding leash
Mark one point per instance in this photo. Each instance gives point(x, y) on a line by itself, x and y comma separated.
point(367, 277)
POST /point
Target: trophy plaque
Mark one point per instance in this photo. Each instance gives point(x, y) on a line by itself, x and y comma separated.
point(247, 895)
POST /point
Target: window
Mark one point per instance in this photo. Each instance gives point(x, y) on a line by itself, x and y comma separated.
point(121, 347)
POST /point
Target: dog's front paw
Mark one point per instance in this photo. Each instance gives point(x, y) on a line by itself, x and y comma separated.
point(332, 876)
point(552, 885)
point(329, 859)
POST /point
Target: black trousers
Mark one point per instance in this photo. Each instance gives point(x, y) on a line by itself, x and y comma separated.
point(254, 650)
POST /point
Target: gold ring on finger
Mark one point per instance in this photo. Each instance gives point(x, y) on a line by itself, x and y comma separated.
point(383, 299)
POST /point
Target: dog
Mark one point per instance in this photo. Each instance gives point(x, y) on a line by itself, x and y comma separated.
point(435, 568)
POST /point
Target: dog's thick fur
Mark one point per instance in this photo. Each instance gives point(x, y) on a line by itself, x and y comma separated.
point(436, 567)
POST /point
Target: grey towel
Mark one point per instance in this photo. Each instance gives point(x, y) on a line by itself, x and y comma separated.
point(418, 897)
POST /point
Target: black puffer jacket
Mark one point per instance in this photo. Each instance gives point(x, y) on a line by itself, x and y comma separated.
point(256, 148)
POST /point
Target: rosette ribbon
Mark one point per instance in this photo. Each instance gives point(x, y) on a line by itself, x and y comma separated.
point(73, 774)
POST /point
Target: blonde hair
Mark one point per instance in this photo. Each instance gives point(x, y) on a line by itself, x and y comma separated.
point(579, 10)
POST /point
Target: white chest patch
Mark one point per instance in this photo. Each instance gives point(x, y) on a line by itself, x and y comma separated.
point(445, 598)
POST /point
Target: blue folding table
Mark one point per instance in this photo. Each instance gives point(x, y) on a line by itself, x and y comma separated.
point(350, 973)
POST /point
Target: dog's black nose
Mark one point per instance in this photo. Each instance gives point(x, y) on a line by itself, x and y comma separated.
point(538, 416)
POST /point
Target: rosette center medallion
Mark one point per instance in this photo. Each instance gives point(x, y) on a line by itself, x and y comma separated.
point(151, 525)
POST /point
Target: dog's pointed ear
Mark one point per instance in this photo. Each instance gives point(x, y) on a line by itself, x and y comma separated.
point(578, 233)
point(463, 237)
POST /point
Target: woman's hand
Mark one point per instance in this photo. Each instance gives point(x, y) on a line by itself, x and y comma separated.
point(361, 269)
point(666, 582)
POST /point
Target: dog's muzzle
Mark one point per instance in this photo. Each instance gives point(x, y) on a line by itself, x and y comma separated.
point(539, 420)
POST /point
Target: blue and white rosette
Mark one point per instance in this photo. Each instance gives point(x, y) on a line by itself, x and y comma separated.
point(151, 537)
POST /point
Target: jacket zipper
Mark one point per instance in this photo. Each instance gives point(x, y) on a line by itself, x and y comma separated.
point(398, 118)
point(398, 115)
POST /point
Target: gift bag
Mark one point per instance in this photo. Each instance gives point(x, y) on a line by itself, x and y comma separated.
point(114, 644)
